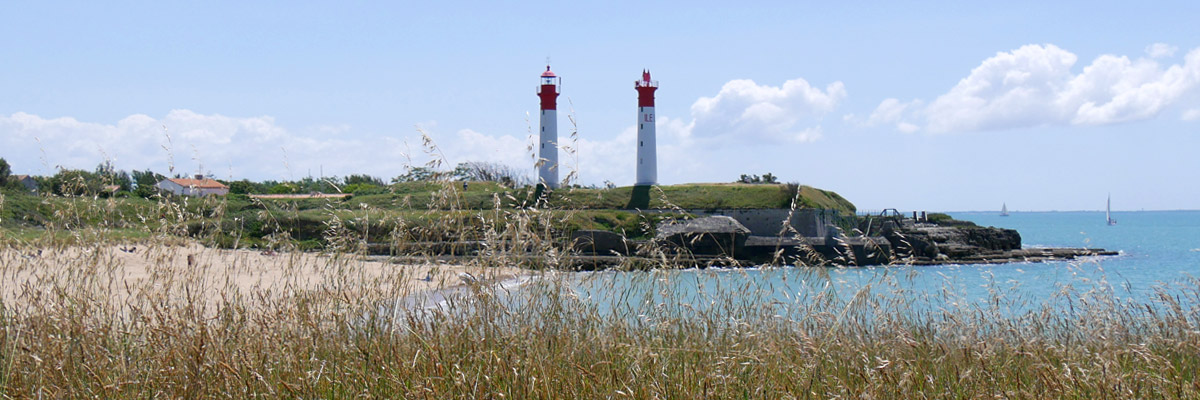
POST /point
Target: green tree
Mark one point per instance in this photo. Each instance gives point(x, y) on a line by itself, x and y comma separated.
point(284, 188)
point(363, 179)
point(419, 174)
point(108, 175)
point(244, 186)
point(503, 174)
point(5, 172)
point(145, 181)
point(362, 188)
point(75, 182)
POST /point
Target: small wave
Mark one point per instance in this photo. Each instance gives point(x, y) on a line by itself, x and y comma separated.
point(1196, 250)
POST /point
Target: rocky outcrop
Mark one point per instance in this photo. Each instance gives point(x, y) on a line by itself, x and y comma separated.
point(954, 242)
point(724, 241)
point(929, 240)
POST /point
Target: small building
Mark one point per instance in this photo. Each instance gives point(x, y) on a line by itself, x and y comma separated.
point(27, 181)
point(198, 186)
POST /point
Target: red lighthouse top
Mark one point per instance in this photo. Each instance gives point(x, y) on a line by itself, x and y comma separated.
point(548, 91)
point(645, 89)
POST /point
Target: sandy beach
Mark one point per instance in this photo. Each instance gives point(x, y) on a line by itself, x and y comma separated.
point(192, 272)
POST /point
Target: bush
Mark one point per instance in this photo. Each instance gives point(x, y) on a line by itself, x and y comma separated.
point(363, 188)
point(74, 182)
point(284, 188)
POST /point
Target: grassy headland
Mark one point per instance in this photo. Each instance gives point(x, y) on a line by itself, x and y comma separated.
point(417, 207)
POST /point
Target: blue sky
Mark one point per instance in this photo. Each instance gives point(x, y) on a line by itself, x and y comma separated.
point(933, 105)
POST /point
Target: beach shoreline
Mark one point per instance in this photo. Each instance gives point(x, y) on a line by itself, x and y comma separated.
point(192, 272)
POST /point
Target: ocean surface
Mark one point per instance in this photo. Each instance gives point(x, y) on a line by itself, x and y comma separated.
point(1159, 256)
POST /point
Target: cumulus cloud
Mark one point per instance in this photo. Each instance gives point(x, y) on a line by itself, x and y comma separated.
point(470, 145)
point(185, 142)
point(1191, 115)
point(1035, 85)
point(907, 127)
point(892, 112)
point(744, 109)
point(1160, 50)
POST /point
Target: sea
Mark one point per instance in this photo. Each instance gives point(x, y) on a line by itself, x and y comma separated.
point(1159, 258)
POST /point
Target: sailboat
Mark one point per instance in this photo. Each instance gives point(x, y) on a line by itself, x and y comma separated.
point(1108, 212)
point(1004, 210)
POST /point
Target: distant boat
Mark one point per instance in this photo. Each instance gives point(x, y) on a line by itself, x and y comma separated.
point(1004, 210)
point(1108, 212)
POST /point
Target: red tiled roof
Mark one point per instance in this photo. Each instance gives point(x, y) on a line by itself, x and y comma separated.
point(199, 183)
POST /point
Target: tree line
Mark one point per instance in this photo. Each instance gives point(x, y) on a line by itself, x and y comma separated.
point(106, 180)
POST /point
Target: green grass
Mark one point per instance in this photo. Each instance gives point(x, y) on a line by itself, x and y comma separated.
point(703, 197)
point(485, 195)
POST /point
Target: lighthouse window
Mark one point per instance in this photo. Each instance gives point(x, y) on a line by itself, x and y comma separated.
point(641, 143)
point(543, 145)
point(639, 126)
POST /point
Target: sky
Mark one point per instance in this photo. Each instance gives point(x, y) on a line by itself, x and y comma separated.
point(940, 106)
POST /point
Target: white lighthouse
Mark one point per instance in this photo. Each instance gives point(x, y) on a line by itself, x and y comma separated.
point(647, 156)
point(548, 145)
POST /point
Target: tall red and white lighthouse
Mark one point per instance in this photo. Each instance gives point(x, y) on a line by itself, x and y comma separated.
point(548, 145)
point(647, 162)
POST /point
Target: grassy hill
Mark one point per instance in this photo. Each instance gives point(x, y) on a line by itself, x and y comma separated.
point(485, 195)
point(445, 208)
point(705, 196)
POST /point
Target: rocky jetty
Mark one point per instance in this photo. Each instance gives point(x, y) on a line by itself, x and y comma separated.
point(724, 240)
point(958, 242)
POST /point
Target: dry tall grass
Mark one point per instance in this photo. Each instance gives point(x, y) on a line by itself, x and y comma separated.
point(70, 330)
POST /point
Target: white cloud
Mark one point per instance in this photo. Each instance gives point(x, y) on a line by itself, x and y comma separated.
point(469, 145)
point(745, 110)
point(1007, 90)
point(892, 111)
point(1191, 115)
point(183, 142)
point(1160, 50)
point(1034, 85)
point(888, 111)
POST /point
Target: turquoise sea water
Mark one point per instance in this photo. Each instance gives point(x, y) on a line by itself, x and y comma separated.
point(1159, 254)
point(1156, 246)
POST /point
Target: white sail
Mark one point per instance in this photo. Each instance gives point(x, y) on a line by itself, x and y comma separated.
point(1108, 211)
point(1004, 210)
